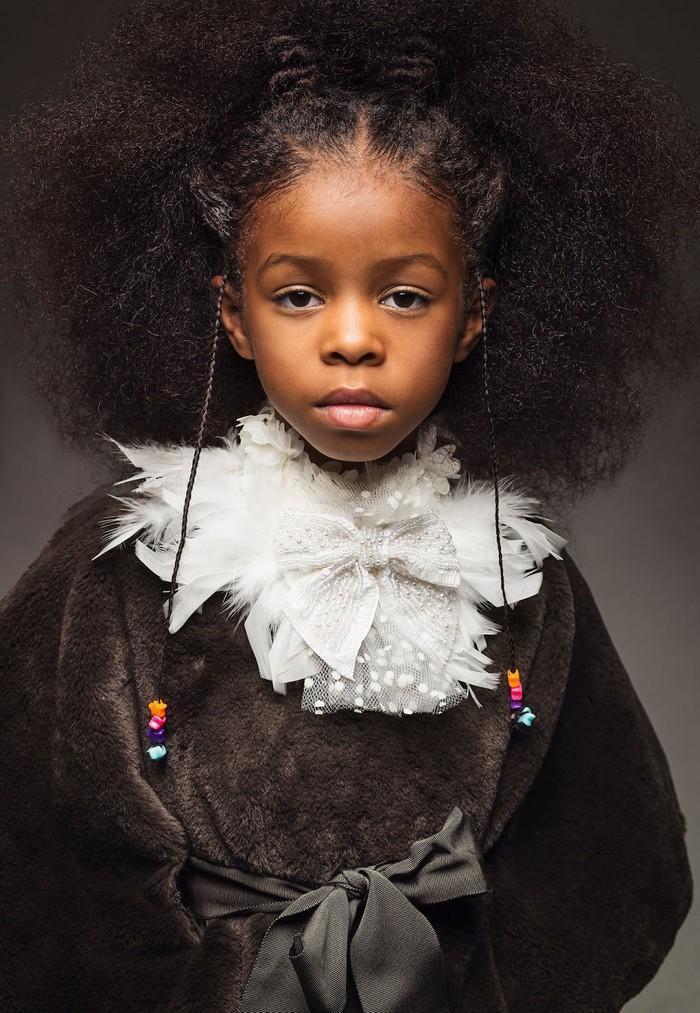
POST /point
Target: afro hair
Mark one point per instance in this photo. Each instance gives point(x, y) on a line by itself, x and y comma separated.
point(573, 175)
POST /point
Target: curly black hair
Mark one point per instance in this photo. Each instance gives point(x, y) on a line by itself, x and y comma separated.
point(572, 174)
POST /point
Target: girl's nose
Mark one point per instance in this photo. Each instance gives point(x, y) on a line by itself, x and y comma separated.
point(351, 336)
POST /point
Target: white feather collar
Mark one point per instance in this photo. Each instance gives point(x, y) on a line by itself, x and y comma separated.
point(366, 582)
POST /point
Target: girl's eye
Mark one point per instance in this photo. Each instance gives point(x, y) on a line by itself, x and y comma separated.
point(404, 294)
point(300, 298)
point(296, 294)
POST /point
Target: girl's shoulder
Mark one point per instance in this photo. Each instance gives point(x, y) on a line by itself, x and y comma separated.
point(58, 561)
point(61, 583)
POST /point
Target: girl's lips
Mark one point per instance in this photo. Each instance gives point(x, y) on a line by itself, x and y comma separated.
point(351, 416)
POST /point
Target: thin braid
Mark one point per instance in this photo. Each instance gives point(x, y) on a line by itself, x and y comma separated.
point(158, 707)
point(415, 67)
point(296, 66)
point(193, 470)
point(494, 466)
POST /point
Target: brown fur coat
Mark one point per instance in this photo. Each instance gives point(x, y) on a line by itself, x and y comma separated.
point(578, 821)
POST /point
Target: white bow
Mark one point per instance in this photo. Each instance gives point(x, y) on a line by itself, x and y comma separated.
point(337, 572)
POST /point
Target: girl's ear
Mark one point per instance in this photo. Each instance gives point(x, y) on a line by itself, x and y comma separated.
point(232, 319)
point(472, 327)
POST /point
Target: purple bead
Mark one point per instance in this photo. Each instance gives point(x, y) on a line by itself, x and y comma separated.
point(156, 736)
point(515, 705)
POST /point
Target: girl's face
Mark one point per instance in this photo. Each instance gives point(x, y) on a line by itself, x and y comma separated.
point(353, 283)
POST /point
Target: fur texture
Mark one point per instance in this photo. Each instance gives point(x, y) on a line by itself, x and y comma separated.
point(579, 824)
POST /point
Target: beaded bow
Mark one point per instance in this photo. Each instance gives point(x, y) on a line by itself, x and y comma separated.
point(339, 572)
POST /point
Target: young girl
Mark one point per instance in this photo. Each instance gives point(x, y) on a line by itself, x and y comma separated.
point(313, 711)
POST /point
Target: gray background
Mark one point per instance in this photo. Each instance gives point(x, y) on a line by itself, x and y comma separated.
point(635, 542)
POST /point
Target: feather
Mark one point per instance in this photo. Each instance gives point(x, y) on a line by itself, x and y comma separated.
point(236, 502)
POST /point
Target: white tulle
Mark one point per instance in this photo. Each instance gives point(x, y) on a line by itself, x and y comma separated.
point(366, 582)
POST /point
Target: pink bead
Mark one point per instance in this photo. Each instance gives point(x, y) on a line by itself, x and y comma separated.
point(516, 692)
point(156, 722)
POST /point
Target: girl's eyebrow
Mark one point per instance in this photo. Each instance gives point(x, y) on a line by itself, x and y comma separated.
point(307, 261)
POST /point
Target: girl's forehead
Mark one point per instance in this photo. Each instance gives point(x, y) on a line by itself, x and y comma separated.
point(352, 209)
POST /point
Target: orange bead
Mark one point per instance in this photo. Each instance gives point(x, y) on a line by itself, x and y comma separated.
point(158, 708)
point(514, 677)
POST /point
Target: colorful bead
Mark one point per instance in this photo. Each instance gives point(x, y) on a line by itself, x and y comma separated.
point(522, 717)
point(156, 729)
point(526, 717)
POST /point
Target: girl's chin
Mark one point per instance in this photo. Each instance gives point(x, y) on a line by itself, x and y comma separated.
point(357, 447)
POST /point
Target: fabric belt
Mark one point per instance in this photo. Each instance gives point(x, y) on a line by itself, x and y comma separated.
point(365, 916)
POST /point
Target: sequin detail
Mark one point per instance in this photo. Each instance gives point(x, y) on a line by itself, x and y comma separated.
point(345, 573)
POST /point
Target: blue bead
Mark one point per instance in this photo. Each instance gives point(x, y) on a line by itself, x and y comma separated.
point(526, 717)
point(156, 752)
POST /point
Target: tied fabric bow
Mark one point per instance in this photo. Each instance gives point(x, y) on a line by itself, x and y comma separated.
point(394, 952)
point(338, 571)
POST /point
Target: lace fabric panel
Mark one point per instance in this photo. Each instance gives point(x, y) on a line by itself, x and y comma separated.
point(390, 675)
